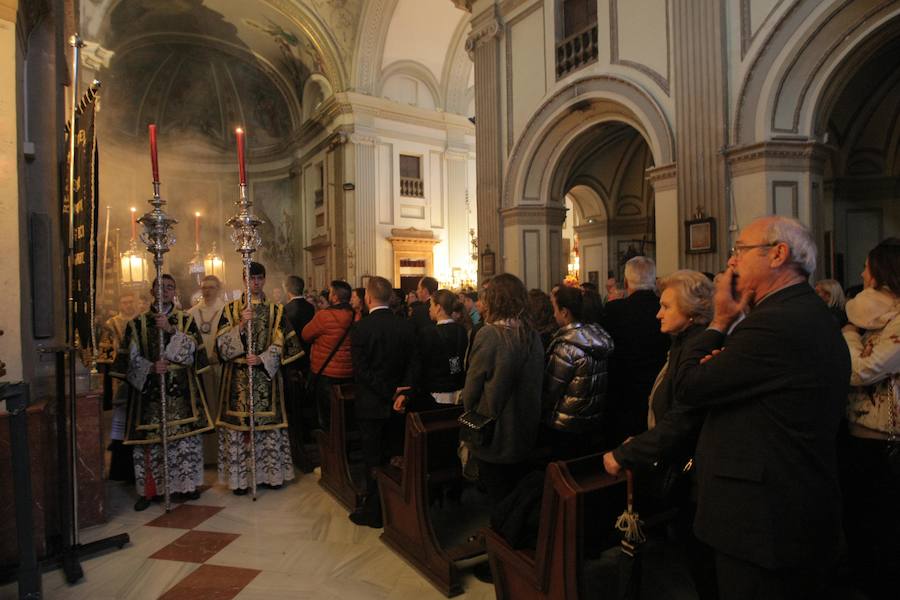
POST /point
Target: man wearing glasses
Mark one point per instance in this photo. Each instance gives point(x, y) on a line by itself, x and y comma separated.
point(775, 391)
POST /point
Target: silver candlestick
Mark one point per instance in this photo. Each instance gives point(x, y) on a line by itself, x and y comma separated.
point(159, 239)
point(247, 240)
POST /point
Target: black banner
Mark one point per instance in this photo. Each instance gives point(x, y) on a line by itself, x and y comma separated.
point(84, 250)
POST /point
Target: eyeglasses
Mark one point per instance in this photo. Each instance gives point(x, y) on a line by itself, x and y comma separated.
point(738, 250)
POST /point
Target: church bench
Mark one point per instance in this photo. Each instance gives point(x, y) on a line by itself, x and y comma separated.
point(430, 460)
point(334, 456)
point(577, 494)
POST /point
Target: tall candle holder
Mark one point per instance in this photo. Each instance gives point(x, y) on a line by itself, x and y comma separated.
point(246, 241)
point(159, 240)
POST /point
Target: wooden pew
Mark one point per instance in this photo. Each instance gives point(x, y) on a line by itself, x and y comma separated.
point(334, 457)
point(430, 459)
point(555, 569)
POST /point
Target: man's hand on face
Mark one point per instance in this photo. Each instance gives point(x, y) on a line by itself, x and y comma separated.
point(726, 307)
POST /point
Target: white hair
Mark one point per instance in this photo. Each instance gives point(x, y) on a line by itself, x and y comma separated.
point(798, 239)
point(640, 273)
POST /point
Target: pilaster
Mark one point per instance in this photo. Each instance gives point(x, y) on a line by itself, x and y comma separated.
point(700, 119)
point(532, 246)
point(365, 202)
point(483, 46)
point(664, 180)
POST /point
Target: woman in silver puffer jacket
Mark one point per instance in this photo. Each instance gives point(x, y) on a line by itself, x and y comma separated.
point(575, 377)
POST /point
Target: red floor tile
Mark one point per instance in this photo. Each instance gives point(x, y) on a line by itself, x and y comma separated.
point(211, 582)
point(195, 546)
point(185, 516)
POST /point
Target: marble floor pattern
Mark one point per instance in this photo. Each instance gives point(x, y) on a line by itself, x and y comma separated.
point(296, 542)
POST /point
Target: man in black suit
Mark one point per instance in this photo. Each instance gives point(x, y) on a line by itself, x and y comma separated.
point(383, 349)
point(640, 350)
point(425, 289)
point(302, 414)
point(775, 391)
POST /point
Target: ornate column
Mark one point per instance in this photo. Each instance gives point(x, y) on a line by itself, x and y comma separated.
point(483, 46)
point(363, 243)
point(700, 122)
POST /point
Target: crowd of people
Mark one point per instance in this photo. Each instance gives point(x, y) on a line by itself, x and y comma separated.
point(762, 407)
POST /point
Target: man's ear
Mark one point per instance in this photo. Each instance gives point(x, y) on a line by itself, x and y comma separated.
point(782, 256)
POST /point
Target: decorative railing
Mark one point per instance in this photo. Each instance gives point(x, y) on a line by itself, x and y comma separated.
point(576, 51)
point(412, 187)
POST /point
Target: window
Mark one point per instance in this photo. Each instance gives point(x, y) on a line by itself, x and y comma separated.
point(579, 36)
point(577, 15)
point(411, 183)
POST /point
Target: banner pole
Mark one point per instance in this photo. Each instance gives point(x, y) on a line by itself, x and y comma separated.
point(76, 43)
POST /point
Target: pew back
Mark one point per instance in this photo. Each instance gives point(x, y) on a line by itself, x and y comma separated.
point(336, 475)
point(578, 509)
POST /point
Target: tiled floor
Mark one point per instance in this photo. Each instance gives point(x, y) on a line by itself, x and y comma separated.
point(296, 542)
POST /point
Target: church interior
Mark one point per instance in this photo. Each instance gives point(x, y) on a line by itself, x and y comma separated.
point(457, 140)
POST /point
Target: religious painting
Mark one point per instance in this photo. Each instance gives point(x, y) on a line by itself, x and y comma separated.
point(701, 235)
point(274, 203)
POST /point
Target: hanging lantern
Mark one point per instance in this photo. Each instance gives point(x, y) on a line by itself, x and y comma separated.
point(214, 264)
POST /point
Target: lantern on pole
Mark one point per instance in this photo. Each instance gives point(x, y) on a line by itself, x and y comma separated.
point(133, 268)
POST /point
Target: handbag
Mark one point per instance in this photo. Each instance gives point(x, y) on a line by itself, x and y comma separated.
point(892, 447)
point(476, 429)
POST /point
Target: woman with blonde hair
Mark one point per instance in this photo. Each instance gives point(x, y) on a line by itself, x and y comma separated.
point(663, 452)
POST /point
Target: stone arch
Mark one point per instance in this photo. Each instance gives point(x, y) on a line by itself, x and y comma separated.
point(457, 67)
point(565, 117)
point(823, 41)
point(316, 90)
point(413, 70)
point(376, 21)
point(589, 199)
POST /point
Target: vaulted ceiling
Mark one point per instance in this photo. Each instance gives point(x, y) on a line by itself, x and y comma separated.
point(199, 67)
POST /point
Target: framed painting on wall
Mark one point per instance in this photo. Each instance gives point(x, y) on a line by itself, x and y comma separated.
point(700, 235)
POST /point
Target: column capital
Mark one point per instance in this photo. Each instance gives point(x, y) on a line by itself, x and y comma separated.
point(364, 139)
point(778, 155)
point(542, 214)
point(483, 31)
point(664, 177)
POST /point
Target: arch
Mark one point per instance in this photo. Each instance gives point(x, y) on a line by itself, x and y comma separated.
point(376, 21)
point(823, 42)
point(413, 70)
point(589, 201)
point(316, 90)
point(574, 109)
point(455, 76)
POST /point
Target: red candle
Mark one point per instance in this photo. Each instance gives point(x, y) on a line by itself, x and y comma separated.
point(153, 160)
point(239, 134)
point(133, 224)
point(197, 231)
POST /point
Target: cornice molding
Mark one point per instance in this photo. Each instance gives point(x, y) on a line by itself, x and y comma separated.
point(534, 215)
point(778, 155)
point(663, 178)
point(483, 31)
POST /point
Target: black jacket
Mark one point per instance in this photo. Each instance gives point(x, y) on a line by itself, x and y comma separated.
point(766, 465)
point(443, 350)
point(672, 441)
point(574, 397)
point(640, 353)
point(299, 312)
point(384, 358)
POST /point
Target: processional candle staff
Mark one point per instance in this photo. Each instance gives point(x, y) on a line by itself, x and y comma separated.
point(246, 241)
point(159, 240)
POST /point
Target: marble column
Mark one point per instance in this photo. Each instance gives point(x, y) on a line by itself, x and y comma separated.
point(483, 46)
point(700, 120)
